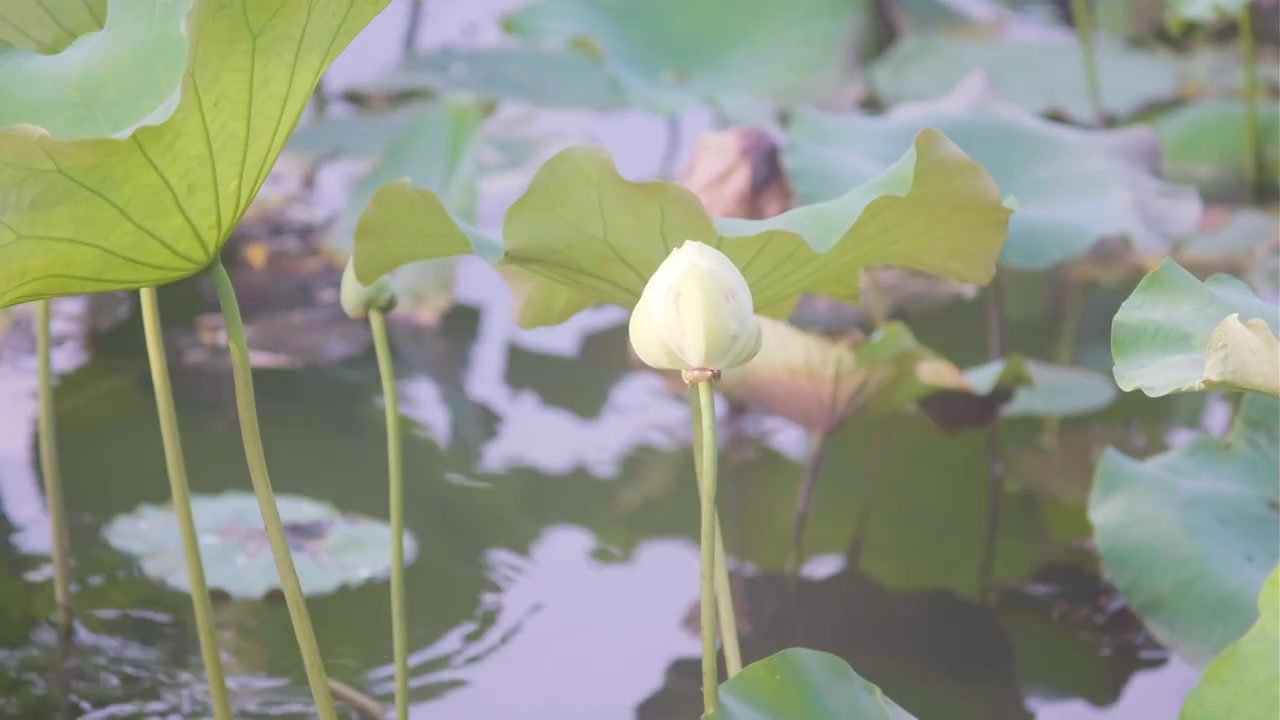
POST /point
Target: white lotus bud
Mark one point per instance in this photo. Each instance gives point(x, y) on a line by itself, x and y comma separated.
point(357, 300)
point(695, 315)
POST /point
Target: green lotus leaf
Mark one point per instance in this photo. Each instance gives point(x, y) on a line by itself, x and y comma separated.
point(800, 683)
point(1241, 682)
point(330, 548)
point(1178, 334)
point(1073, 186)
point(1051, 390)
point(436, 149)
point(363, 136)
point(581, 235)
point(541, 77)
point(155, 207)
point(1180, 12)
point(1189, 535)
point(1039, 74)
point(1202, 143)
point(48, 26)
point(100, 85)
point(671, 55)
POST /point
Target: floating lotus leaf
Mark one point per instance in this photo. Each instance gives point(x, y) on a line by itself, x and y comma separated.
point(1177, 334)
point(1189, 535)
point(581, 235)
point(1241, 682)
point(1040, 74)
point(671, 55)
point(1202, 143)
point(542, 77)
point(48, 26)
point(1073, 186)
point(1052, 390)
point(155, 207)
point(799, 683)
point(330, 549)
point(99, 85)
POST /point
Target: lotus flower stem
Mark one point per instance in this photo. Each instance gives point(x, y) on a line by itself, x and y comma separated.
point(725, 612)
point(707, 500)
point(60, 542)
point(1250, 102)
point(995, 459)
point(206, 630)
point(1083, 20)
point(256, 458)
point(395, 489)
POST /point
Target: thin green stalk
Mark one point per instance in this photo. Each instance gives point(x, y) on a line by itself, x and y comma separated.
point(1083, 19)
point(1250, 103)
point(876, 303)
point(1065, 351)
point(256, 458)
point(60, 542)
point(707, 499)
point(724, 609)
point(206, 630)
point(395, 488)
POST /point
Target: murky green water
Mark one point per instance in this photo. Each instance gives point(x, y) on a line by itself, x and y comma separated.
point(550, 489)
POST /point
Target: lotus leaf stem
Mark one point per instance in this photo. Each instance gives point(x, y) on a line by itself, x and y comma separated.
point(671, 148)
point(706, 426)
point(395, 489)
point(295, 601)
point(1250, 102)
point(175, 463)
point(60, 542)
point(724, 609)
point(1083, 20)
point(1065, 351)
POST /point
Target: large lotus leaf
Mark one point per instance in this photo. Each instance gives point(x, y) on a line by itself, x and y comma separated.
point(581, 235)
point(1073, 186)
point(541, 77)
point(97, 215)
point(1052, 390)
point(1189, 535)
point(1178, 334)
point(671, 54)
point(1244, 681)
point(330, 548)
point(436, 150)
point(1039, 74)
point(801, 684)
point(1203, 143)
point(100, 85)
point(48, 26)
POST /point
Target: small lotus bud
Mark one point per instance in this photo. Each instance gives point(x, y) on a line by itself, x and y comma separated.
point(357, 300)
point(695, 315)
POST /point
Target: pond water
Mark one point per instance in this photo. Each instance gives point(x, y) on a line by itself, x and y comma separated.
point(550, 490)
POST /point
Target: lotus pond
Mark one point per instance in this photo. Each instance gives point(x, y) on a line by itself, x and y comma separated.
point(1009, 446)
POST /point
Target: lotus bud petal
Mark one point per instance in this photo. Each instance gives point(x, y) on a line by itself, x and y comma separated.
point(695, 315)
point(357, 300)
